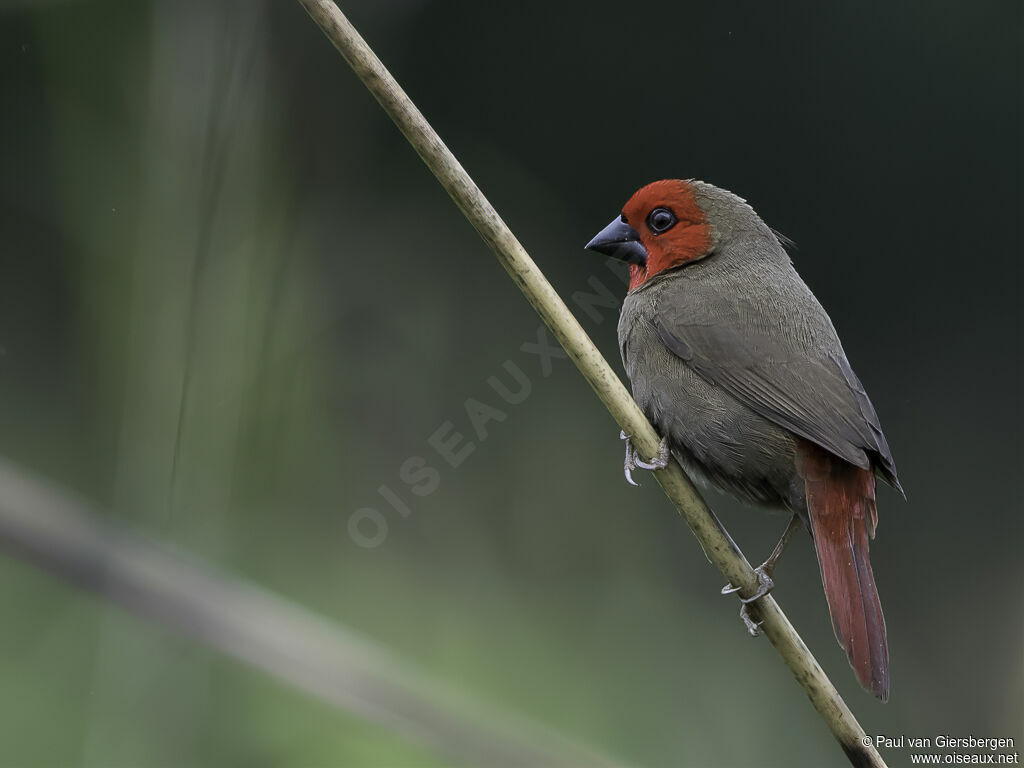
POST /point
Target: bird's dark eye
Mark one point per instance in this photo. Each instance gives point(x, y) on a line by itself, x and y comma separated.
point(661, 220)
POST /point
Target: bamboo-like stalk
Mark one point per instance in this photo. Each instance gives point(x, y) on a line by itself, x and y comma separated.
point(717, 543)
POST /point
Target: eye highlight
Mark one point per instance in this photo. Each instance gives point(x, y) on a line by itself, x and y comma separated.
point(661, 220)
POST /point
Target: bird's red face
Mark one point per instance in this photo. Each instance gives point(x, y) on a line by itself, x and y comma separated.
point(661, 227)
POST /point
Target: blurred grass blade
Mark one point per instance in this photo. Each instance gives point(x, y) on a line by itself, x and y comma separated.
point(50, 527)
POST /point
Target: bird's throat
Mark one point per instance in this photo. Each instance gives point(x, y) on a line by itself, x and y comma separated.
point(637, 275)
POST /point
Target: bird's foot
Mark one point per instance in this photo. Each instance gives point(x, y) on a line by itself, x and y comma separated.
point(633, 460)
point(764, 583)
point(658, 462)
point(764, 586)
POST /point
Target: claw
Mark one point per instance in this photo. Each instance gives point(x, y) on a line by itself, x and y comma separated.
point(630, 463)
point(753, 627)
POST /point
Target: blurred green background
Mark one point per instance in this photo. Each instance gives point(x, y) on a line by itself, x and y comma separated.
point(234, 304)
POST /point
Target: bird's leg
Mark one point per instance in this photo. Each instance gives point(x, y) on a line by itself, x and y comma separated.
point(753, 627)
point(764, 576)
point(633, 460)
point(768, 566)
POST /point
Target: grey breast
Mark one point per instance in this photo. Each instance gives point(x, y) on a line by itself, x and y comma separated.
point(717, 438)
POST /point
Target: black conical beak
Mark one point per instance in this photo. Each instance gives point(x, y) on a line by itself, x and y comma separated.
point(620, 241)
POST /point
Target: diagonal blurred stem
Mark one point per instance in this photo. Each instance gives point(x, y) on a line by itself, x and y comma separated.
point(717, 543)
point(49, 527)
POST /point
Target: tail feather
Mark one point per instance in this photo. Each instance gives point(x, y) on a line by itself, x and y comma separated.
point(843, 515)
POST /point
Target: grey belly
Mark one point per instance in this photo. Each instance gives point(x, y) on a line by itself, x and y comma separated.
point(717, 439)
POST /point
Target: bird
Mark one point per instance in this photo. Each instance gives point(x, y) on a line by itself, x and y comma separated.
point(738, 366)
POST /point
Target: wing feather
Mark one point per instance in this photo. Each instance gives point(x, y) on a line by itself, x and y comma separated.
point(813, 394)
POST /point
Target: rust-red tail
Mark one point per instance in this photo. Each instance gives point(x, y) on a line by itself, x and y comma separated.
point(841, 505)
